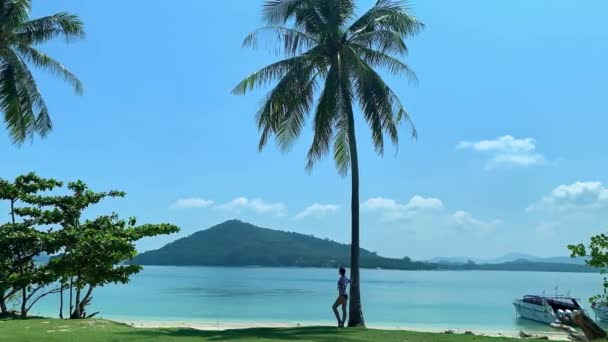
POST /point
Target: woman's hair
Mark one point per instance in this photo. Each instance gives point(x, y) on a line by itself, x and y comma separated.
point(342, 271)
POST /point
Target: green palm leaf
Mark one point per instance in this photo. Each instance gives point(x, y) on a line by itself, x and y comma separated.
point(21, 103)
point(44, 61)
point(43, 29)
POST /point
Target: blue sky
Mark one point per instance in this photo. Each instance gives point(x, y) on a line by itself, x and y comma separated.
point(510, 111)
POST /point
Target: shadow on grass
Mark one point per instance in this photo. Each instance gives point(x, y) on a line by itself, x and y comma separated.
point(320, 334)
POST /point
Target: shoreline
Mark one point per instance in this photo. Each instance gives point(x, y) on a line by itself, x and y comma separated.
point(553, 335)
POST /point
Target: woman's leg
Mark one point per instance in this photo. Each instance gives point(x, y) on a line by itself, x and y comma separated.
point(335, 308)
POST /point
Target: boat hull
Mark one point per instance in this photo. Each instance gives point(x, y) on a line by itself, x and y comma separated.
point(601, 312)
point(538, 313)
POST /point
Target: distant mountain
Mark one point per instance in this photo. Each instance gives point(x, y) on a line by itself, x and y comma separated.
point(452, 260)
point(509, 258)
point(236, 243)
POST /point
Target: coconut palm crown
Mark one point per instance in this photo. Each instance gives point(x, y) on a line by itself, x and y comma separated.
point(21, 103)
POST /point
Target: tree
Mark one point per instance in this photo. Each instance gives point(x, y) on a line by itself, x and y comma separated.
point(93, 250)
point(328, 50)
point(596, 254)
point(20, 242)
point(94, 259)
point(25, 111)
point(85, 255)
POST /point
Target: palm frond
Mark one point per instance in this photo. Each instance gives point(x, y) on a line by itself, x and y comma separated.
point(18, 122)
point(43, 29)
point(297, 109)
point(402, 113)
point(325, 116)
point(375, 100)
point(284, 114)
point(336, 12)
point(307, 15)
point(14, 12)
point(271, 73)
point(382, 40)
point(288, 40)
point(16, 100)
point(342, 155)
point(44, 61)
point(43, 122)
point(387, 15)
point(383, 60)
point(342, 146)
point(278, 12)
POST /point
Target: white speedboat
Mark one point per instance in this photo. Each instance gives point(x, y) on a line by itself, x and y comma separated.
point(600, 310)
point(546, 309)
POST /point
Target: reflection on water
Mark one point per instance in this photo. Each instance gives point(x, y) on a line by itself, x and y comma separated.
point(415, 299)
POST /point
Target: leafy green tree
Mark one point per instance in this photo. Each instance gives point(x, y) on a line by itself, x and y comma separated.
point(92, 250)
point(86, 254)
point(331, 53)
point(101, 245)
point(596, 255)
point(20, 242)
point(25, 111)
point(67, 212)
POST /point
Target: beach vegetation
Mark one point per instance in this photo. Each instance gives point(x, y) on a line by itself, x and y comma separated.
point(85, 253)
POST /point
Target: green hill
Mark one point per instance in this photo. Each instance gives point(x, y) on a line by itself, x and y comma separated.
point(236, 243)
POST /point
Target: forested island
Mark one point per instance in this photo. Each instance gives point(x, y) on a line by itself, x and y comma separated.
point(236, 243)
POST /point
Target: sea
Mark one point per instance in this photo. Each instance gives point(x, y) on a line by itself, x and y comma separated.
point(426, 300)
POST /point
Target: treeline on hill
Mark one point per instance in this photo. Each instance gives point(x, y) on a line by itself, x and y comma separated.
point(86, 253)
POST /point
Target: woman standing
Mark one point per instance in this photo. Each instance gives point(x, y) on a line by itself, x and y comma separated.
point(342, 299)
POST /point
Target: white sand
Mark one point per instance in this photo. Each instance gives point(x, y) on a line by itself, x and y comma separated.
point(553, 335)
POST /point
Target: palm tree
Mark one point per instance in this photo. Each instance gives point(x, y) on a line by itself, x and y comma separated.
point(24, 109)
point(331, 53)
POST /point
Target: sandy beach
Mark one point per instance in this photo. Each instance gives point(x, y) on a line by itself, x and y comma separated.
point(219, 325)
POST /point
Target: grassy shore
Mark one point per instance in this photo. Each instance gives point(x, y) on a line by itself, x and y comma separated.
point(51, 330)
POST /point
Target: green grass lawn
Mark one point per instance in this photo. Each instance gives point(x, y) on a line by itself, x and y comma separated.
point(51, 330)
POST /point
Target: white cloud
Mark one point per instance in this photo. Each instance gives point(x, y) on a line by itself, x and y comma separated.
point(317, 210)
point(469, 223)
point(579, 195)
point(256, 205)
point(188, 203)
point(390, 210)
point(506, 151)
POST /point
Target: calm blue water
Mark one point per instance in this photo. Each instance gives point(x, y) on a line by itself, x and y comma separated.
point(421, 299)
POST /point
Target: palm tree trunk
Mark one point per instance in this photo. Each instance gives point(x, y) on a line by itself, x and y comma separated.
point(355, 314)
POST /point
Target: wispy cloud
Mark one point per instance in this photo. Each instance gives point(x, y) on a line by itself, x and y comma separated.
point(256, 205)
point(317, 210)
point(467, 221)
point(390, 210)
point(189, 203)
point(575, 196)
point(506, 151)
